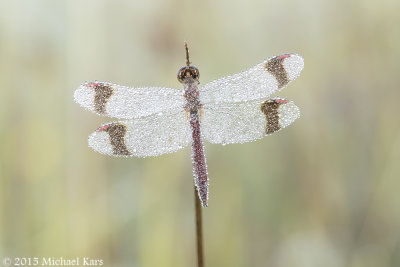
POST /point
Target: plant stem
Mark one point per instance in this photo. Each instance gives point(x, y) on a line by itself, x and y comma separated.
point(199, 231)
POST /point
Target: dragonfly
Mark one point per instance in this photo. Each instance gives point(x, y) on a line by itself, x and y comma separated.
point(159, 120)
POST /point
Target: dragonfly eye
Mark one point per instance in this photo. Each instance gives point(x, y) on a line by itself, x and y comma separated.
point(188, 72)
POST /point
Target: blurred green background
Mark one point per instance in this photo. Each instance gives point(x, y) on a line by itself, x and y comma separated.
point(323, 192)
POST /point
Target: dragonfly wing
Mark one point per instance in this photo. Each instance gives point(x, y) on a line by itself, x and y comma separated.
point(148, 136)
point(124, 102)
point(242, 122)
point(257, 82)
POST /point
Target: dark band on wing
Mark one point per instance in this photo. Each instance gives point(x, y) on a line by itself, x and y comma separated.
point(117, 132)
point(102, 94)
point(276, 68)
point(270, 109)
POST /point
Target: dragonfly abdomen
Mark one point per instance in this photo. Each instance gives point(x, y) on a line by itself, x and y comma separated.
point(199, 160)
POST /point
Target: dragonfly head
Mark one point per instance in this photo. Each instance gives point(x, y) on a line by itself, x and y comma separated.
point(188, 73)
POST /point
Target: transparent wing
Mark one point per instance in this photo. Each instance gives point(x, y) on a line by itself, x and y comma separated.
point(242, 122)
point(124, 102)
point(257, 82)
point(148, 136)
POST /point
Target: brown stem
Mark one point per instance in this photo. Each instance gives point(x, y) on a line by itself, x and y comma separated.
point(187, 54)
point(199, 231)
